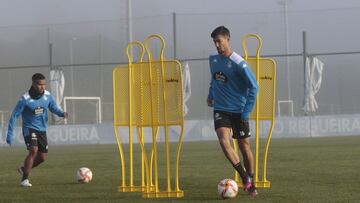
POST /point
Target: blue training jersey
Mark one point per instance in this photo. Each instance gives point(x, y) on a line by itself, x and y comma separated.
point(34, 113)
point(233, 86)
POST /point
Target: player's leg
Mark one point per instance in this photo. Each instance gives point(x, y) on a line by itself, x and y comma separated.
point(223, 123)
point(43, 149)
point(28, 163)
point(242, 135)
point(29, 160)
point(40, 158)
point(244, 146)
point(223, 135)
point(31, 142)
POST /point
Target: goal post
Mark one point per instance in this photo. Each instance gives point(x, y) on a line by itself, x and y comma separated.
point(96, 99)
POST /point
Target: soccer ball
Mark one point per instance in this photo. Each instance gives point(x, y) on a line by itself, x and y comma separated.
point(227, 188)
point(83, 175)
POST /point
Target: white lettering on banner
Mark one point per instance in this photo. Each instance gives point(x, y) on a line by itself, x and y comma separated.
point(74, 134)
point(345, 123)
point(332, 124)
point(323, 126)
point(356, 124)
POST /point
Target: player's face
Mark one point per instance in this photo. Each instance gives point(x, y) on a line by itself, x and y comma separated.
point(39, 86)
point(221, 43)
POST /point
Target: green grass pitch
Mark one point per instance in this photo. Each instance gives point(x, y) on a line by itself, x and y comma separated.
point(300, 170)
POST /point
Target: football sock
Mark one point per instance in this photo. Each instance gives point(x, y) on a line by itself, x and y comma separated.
point(25, 175)
point(240, 169)
point(251, 175)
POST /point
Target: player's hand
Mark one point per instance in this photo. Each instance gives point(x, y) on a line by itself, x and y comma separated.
point(210, 102)
point(9, 139)
point(66, 115)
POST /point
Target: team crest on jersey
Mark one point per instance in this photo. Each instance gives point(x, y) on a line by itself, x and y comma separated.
point(229, 65)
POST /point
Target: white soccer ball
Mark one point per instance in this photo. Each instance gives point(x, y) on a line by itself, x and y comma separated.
point(84, 175)
point(227, 188)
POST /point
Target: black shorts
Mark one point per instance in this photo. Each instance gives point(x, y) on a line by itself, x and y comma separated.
point(36, 138)
point(240, 127)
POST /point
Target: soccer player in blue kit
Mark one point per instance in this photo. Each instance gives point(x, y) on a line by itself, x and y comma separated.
point(232, 94)
point(33, 107)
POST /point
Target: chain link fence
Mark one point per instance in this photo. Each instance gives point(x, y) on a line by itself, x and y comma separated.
point(88, 51)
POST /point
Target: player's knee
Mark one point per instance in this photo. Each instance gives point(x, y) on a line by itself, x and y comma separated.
point(33, 151)
point(42, 157)
point(224, 141)
point(244, 146)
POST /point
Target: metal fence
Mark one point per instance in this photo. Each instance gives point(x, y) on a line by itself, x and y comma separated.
point(88, 51)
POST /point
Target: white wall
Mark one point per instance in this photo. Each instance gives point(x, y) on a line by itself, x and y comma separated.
point(197, 130)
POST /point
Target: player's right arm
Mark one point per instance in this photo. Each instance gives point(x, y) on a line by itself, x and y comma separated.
point(15, 114)
point(210, 98)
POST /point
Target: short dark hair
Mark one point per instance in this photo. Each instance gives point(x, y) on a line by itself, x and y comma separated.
point(37, 76)
point(221, 30)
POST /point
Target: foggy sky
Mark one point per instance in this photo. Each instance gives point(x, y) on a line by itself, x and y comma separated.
point(30, 12)
point(331, 26)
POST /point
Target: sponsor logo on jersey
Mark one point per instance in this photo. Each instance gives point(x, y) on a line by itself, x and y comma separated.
point(38, 110)
point(220, 76)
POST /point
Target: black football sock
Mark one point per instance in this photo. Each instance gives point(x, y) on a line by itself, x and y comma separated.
point(240, 169)
point(251, 175)
point(25, 176)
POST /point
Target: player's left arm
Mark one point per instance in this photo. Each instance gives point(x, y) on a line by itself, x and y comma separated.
point(54, 108)
point(252, 87)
